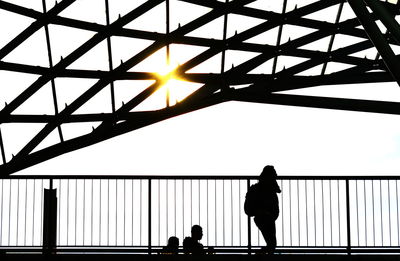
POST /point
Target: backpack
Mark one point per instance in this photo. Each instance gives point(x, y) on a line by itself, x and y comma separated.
point(251, 204)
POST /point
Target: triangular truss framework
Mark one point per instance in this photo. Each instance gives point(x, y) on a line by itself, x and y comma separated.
point(231, 84)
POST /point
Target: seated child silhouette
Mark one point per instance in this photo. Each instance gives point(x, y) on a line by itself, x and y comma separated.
point(192, 244)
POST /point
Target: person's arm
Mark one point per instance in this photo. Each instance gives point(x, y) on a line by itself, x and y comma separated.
point(277, 188)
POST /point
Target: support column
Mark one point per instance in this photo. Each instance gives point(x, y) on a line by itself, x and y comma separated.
point(49, 220)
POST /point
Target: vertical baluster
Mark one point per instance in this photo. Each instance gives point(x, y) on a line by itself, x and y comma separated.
point(124, 213)
point(116, 212)
point(231, 214)
point(133, 207)
point(17, 220)
point(348, 217)
point(91, 213)
point(397, 214)
point(330, 210)
point(33, 211)
point(358, 226)
point(166, 208)
point(100, 204)
point(338, 208)
point(380, 196)
point(215, 209)
point(41, 210)
point(323, 213)
point(207, 200)
point(315, 217)
point(373, 210)
point(25, 209)
point(149, 215)
point(2, 211)
point(240, 214)
point(365, 214)
point(159, 210)
point(59, 212)
point(306, 198)
point(108, 212)
point(248, 224)
point(389, 213)
point(298, 212)
point(223, 212)
point(290, 212)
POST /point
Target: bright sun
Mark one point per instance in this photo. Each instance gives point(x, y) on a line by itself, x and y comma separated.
point(173, 88)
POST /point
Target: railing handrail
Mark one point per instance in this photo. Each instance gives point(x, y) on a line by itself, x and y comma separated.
point(339, 197)
point(205, 177)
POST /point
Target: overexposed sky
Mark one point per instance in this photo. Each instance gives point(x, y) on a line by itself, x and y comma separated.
point(231, 138)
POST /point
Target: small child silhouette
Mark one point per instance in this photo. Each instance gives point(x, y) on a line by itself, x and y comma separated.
point(172, 246)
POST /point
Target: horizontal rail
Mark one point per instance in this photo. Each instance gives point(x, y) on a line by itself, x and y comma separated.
point(344, 214)
point(205, 177)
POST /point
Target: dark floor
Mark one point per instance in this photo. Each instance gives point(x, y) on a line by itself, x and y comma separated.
point(219, 257)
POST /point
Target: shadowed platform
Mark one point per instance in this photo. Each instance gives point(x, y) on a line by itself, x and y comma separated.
point(283, 257)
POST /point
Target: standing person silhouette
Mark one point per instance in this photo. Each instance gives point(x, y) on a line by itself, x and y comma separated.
point(192, 244)
point(266, 205)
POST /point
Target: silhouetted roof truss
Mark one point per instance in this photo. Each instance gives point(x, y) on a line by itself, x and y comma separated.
point(232, 84)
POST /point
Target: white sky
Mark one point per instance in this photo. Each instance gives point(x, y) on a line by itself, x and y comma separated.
point(231, 138)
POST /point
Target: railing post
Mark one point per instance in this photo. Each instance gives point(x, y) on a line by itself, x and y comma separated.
point(248, 224)
point(348, 217)
point(149, 216)
point(49, 219)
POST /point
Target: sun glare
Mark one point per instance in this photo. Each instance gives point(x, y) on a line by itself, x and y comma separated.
point(167, 69)
point(173, 88)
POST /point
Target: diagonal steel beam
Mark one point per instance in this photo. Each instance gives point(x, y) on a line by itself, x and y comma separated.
point(184, 29)
point(139, 120)
point(76, 73)
point(189, 64)
point(377, 38)
point(125, 121)
point(122, 68)
point(259, 95)
point(339, 55)
point(295, 82)
point(76, 55)
point(270, 52)
point(301, 82)
point(196, 77)
point(337, 19)
point(83, 98)
point(2, 150)
point(41, 19)
point(386, 17)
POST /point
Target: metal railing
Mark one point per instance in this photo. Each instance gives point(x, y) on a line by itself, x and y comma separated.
point(339, 214)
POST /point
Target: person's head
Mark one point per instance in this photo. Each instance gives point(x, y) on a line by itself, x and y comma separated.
point(268, 173)
point(173, 242)
point(197, 232)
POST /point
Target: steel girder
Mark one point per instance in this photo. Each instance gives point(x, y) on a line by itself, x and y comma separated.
point(216, 87)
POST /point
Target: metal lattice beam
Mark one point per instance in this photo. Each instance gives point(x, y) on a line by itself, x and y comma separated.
point(216, 88)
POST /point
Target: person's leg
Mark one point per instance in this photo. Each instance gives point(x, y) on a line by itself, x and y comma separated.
point(266, 225)
point(260, 223)
point(271, 235)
